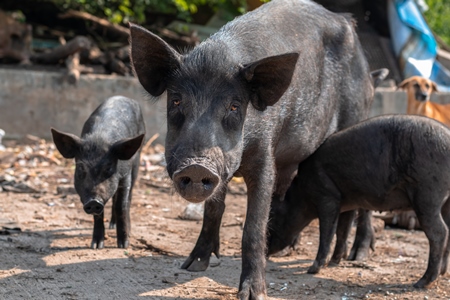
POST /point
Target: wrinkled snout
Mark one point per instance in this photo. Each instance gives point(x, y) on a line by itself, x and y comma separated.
point(93, 207)
point(195, 183)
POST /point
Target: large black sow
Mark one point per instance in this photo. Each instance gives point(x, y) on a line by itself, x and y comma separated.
point(254, 99)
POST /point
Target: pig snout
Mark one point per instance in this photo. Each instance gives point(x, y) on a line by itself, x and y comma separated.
point(195, 183)
point(93, 207)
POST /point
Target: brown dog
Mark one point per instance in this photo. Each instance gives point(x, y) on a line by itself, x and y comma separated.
point(419, 90)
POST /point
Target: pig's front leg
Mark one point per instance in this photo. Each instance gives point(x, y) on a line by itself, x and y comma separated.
point(122, 200)
point(260, 184)
point(209, 241)
point(98, 236)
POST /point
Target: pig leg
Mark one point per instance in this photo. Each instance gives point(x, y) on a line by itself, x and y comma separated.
point(365, 236)
point(122, 200)
point(445, 212)
point(437, 232)
point(343, 229)
point(328, 219)
point(209, 239)
point(98, 236)
point(252, 284)
point(112, 222)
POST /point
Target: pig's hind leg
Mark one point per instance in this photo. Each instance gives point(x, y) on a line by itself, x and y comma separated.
point(436, 230)
point(343, 229)
point(113, 221)
point(364, 238)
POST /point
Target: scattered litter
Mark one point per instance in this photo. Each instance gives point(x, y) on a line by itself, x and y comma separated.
point(67, 189)
point(193, 211)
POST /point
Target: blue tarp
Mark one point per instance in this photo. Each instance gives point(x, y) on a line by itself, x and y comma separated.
point(414, 43)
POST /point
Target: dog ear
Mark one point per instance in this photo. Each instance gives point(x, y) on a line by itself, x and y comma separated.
point(404, 83)
point(434, 88)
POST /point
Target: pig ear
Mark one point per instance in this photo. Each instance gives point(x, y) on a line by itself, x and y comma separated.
point(125, 149)
point(269, 78)
point(378, 76)
point(67, 144)
point(152, 58)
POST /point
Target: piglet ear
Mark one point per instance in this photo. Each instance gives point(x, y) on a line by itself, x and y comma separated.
point(152, 58)
point(269, 78)
point(68, 145)
point(126, 148)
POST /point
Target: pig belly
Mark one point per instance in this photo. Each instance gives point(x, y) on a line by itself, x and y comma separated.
point(396, 199)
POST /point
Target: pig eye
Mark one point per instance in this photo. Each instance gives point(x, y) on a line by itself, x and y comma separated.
point(234, 107)
point(176, 100)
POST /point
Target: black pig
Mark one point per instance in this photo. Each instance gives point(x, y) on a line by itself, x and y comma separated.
point(107, 163)
point(254, 99)
point(386, 163)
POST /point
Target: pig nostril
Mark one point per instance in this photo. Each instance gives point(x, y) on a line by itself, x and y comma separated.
point(185, 181)
point(207, 183)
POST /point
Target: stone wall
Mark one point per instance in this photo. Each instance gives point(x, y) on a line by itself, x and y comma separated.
point(31, 102)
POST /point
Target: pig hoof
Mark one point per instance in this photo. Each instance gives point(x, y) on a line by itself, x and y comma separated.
point(195, 264)
point(249, 291)
point(421, 284)
point(124, 244)
point(443, 268)
point(334, 263)
point(97, 245)
point(112, 225)
point(314, 269)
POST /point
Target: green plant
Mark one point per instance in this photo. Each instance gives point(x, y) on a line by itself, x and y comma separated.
point(122, 11)
point(438, 18)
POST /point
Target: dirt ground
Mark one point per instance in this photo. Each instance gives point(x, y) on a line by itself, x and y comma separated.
point(45, 254)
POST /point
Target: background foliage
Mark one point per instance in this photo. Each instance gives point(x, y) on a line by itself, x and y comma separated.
point(438, 17)
point(122, 11)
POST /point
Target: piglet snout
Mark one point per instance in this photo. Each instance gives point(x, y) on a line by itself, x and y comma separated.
point(93, 207)
point(195, 183)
